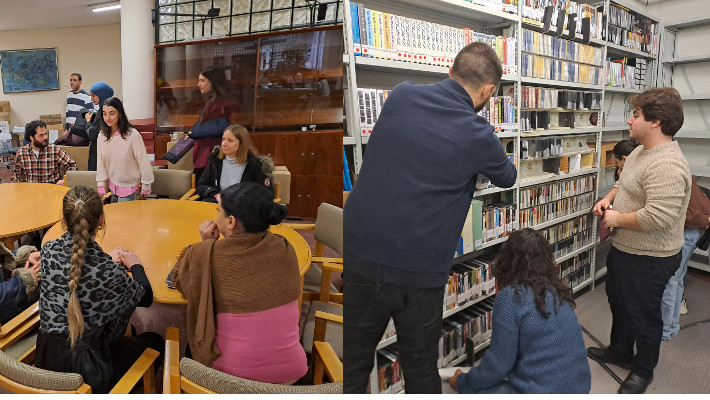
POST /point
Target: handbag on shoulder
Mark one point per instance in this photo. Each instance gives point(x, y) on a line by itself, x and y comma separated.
point(179, 150)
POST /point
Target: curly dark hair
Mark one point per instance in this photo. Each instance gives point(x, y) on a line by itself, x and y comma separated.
point(526, 259)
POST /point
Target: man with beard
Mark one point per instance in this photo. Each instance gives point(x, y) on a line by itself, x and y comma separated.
point(406, 212)
point(40, 161)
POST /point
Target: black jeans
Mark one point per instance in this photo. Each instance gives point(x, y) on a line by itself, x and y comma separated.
point(634, 287)
point(417, 314)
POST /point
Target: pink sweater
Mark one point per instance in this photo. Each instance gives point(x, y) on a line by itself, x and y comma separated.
point(123, 161)
point(261, 346)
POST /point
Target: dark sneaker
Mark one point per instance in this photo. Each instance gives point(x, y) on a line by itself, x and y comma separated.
point(605, 356)
point(635, 384)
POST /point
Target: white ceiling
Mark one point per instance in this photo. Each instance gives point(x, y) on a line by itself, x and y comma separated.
point(21, 15)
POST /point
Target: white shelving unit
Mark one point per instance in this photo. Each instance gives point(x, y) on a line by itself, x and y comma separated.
point(385, 74)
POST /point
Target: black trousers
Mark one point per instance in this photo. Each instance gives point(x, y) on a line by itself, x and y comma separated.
point(417, 314)
point(634, 287)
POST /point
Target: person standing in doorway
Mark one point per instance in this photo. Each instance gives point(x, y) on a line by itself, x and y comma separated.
point(649, 205)
point(404, 216)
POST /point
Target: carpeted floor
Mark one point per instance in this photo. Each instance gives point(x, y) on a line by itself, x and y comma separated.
point(684, 360)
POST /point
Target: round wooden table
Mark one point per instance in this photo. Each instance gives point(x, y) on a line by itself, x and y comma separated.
point(28, 207)
point(158, 230)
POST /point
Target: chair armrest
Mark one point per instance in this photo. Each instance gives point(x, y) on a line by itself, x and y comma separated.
point(142, 368)
point(187, 195)
point(326, 357)
point(29, 356)
point(326, 259)
point(19, 319)
point(195, 197)
point(334, 267)
point(297, 227)
point(171, 366)
point(322, 319)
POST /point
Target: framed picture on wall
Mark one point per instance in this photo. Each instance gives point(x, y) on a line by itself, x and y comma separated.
point(29, 70)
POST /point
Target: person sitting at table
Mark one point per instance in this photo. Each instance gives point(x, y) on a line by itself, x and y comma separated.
point(242, 291)
point(236, 160)
point(40, 161)
point(19, 287)
point(87, 298)
point(122, 158)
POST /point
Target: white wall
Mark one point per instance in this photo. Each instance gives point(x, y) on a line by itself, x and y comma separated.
point(94, 52)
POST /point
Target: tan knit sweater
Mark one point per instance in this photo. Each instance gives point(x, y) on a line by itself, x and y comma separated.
point(123, 161)
point(656, 183)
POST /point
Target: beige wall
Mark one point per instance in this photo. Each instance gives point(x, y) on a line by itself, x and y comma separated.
point(94, 52)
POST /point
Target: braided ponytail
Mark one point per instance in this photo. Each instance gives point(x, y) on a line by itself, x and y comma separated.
point(82, 210)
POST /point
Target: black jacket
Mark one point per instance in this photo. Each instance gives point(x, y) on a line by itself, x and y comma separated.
point(258, 169)
point(92, 133)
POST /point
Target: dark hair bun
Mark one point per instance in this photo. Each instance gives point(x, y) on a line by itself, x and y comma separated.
point(273, 213)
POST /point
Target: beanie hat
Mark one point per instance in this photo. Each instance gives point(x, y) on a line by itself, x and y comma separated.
point(102, 91)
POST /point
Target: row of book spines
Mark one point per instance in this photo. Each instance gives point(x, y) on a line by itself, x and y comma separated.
point(563, 204)
point(550, 46)
point(467, 282)
point(579, 275)
point(389, 372)
point(547, 212)
point(536, 66)
point(555, 191)
point(501, 113)
point(473, 324)
point(567, 229)
point(573, 264)
point(370, 103)
point(393, 37)
point(545, 98)
point(571, 244)
point(620, 75)
point(535, 10)
point(634, 40)
point(484, 224)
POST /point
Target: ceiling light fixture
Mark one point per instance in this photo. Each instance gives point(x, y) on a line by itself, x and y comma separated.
point(113, 5)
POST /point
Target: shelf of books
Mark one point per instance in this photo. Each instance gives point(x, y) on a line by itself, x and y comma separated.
point(549, 113)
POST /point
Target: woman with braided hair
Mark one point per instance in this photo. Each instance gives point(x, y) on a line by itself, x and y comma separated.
point(242, 291)
point(87, 298)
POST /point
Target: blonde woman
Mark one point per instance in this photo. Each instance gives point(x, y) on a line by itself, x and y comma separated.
point(234, 161)
point(87, 297)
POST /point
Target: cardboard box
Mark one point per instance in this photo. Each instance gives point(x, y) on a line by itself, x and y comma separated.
point(4, 107)
point(52, 119)
point(5, 116)
point(608, 154)
point(282, 176)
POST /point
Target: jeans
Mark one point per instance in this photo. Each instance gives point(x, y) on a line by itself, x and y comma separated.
point(673, 295)
point(634, 288)
point(130, 197)
point(417, 315)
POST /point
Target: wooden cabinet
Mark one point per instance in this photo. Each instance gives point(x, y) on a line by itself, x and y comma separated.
point(315, 162)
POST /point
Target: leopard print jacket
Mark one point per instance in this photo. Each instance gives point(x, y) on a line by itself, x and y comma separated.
point(107, 294)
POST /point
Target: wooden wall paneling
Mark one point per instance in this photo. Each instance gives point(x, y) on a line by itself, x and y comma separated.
point(292, 149)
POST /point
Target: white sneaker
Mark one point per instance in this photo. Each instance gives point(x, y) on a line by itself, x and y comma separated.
point(683, 307)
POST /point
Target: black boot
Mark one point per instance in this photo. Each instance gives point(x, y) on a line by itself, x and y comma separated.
point(607, 357)
point(635, 384)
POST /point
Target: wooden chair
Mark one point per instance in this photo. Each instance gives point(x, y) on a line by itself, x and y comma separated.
point(327, 231)
point(17, 376)
point(173, 183)
point(189, 376)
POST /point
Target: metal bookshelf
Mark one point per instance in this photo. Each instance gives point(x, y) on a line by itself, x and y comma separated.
point(463, 13)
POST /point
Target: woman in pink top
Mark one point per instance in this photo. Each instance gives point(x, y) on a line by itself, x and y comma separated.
point(122, 162)
point(242, 291)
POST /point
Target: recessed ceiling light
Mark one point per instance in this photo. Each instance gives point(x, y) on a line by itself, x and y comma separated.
point(113, 5)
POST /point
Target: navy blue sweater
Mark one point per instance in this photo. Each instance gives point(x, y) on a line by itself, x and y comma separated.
point(409, 204)
point(536, 354)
